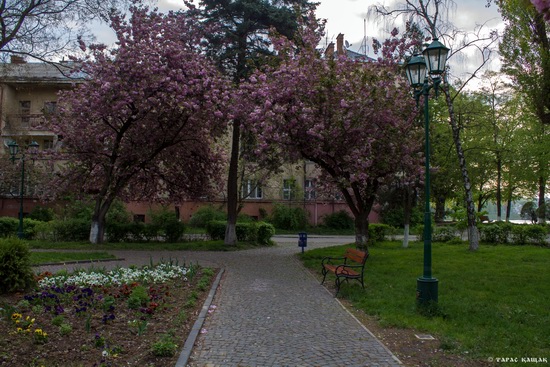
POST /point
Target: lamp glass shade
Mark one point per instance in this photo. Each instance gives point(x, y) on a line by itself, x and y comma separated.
point(416, 71)
point(435, 56)
point(34, 145)
point(14, 148)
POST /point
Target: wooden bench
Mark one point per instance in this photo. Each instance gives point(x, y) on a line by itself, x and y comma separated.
point(349, 266)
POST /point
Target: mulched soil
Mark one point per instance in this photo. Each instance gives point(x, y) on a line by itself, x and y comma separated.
point(412, 351)
point(115, 342)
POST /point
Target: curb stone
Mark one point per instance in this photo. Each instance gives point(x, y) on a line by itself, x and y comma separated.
point(192, 337)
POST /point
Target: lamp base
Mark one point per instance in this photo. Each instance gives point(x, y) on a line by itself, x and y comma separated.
point(426, 290)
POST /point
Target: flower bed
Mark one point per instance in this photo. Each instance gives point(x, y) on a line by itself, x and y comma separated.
point(124, 317)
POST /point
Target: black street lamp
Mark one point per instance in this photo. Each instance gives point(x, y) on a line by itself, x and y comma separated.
point(14, 149)
point(418, 69)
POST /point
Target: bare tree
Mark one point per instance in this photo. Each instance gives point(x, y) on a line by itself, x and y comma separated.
point(433, 18)
point(47, 30)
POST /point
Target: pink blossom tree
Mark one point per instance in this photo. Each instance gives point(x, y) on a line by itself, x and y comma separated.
point(143, 125)
point(355, 120)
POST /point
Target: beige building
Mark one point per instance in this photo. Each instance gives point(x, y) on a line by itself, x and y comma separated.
point(28, 93)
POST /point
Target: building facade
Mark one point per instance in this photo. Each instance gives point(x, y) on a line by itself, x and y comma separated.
point(28, 94)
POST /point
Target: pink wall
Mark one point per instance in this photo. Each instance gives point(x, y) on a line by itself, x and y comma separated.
point(316, 209)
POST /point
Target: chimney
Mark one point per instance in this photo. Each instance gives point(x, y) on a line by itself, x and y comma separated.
point(340, 45)
point(14, 59)
point(329, 51)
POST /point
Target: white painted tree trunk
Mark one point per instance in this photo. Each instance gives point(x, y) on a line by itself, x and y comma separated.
point(406, 236)
point(94, 232)
point(230, 235)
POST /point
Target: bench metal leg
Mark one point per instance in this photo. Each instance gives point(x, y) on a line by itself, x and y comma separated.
point(324, 272)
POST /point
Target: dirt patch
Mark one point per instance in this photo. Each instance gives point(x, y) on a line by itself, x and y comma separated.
point(94, 337)
point(412, 351)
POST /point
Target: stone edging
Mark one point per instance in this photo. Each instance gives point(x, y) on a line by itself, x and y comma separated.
point(192, 337)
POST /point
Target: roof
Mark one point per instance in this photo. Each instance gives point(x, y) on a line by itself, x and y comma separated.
point(39, 73)
point(357, 56)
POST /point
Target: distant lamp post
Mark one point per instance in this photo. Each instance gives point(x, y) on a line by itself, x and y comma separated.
point(14, 150)
point(418, 69)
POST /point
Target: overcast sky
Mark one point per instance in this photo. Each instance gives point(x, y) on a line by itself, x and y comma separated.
point(350, 18)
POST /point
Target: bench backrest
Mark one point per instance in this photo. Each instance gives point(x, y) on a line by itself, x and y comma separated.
point(357, 256)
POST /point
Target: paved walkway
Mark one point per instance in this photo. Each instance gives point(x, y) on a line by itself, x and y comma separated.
point(270, 311)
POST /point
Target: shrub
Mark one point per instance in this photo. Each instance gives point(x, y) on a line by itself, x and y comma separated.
point(119, 232)
point(246, 232)
point(339, 220)
point(529, 234)
point(495, 232)
point(8, 226)
point(70, 230)
point(285, 217)
point(265, 232)
point(41, 213)
point(395, 217)
point(378, 232)
point(168, 225)
point(30, 227)
point(15, 266)
point(216, 230)
point(444, 234)
point(206, 214)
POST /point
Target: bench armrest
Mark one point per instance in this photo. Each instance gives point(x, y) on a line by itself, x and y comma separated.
point(328, 260)
point(341, 268)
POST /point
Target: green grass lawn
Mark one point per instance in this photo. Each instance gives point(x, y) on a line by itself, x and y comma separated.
point(62, 257)
point(492, 303)
point(180, 246)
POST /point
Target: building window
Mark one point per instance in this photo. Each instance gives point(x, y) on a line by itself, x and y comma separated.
point(289, 188)
point(50, 108)
point(252, 189)
point(25, 112)
point(47, 144)
point(139, 218)
point(309, 189)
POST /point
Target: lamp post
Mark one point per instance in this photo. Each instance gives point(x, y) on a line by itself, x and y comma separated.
point(418, 69)
point(14, 149)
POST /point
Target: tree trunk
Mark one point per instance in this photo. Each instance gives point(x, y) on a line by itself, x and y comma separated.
point(407, 215)
point(406, 233)
point(97, 229)
point(232, 187)
point(362, 230)
point(473, 234)
point(542, 203)
point(499, 184)
point(439, 208)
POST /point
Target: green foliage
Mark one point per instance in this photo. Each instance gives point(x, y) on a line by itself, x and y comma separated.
point(529, 234)
point(168, 225)
point(529, 211)
point(289, 218)
point(164, 347)
point(205, 215)
point(395, 217)
point(265, 232)
point(138, 297)
point(8, 226)
point(216, 230)
point(378, 232)
point(495, 232)
point(339, 220)
point(41, 213)
point(444, 233)
point(15, 266)
point(70, 230)
point(259, 232)
point(246, 231)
